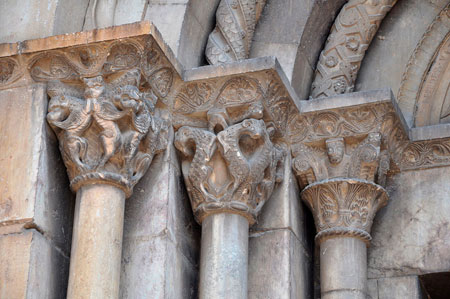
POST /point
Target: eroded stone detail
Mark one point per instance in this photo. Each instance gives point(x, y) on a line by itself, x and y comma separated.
point(341, 158)
point(107, 130)
point(344, 207)
point(9, 71)
point(233, 170)
point(349, 39)
point(423, 92)
point(231, 38)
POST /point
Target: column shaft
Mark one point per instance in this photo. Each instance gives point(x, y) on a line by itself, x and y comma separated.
point(97, 242)
point(343, 268)
point(224, 257)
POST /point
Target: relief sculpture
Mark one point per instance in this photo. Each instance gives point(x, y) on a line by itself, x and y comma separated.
point(107, 132)
point(233, 170)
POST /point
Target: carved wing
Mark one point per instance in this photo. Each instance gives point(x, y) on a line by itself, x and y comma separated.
point(109, 112)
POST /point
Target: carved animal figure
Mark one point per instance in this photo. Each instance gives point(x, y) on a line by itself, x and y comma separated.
point(73, 116)
point(200, 145)
point(129, 100)
point(247, 172)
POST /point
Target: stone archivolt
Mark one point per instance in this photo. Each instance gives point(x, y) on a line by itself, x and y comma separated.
point(231, 38)
point(424, 87)
point(349, 39)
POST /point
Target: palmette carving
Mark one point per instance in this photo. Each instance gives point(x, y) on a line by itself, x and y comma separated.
point(344, 207)
point(232, 171)
point(108, 135)
point(231, 38)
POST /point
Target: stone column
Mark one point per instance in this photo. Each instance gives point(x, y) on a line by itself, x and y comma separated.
point(343, 210)
point(344, 200)
point(230, 171)
point(108, 135)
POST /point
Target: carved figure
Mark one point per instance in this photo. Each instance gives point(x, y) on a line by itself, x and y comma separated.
point(109, 136)
point(252, 164)
point(335, 150)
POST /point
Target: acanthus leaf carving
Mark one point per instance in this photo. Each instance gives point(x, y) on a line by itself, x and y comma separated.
point(344, 207)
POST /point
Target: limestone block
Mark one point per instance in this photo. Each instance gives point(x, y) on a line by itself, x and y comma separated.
point(283, 210)
point(169, 21)
point(399, 287)
point(34, 190)
point(161, 239)
point(129, 11)
point(411, 235)
point(28, 19)
point(31, 267)
point(279, 266)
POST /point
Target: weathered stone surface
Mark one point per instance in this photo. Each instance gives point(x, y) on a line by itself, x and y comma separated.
point(31, 267)
point(35, 19)
point(161, 238)
point(31, 161)
point(394, 44)
point(279, 266)
point(271, 39)
point(395, 288)
point(284, 209)
point(411, 235)
point(349, 38)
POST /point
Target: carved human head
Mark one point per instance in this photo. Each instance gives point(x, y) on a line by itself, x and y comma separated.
point(335, 149)
point(94, 86)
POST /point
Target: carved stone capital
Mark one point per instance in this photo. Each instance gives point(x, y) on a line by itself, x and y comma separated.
point(107, 129)
point(340, 157)
point(344, 207)
point(229, 170)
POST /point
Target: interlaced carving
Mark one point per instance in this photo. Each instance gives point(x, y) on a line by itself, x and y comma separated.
point(231, 38)
point(344, 207)
point(108, 132)
point(350, 36)
point(230, 171)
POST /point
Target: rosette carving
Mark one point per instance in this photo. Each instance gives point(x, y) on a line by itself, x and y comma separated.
point(230, 171)
point(231, 38)
point(108, 132)
point(344, 207)
point(353, 31)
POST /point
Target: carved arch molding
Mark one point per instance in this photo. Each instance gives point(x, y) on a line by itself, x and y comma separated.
point(425, 86)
